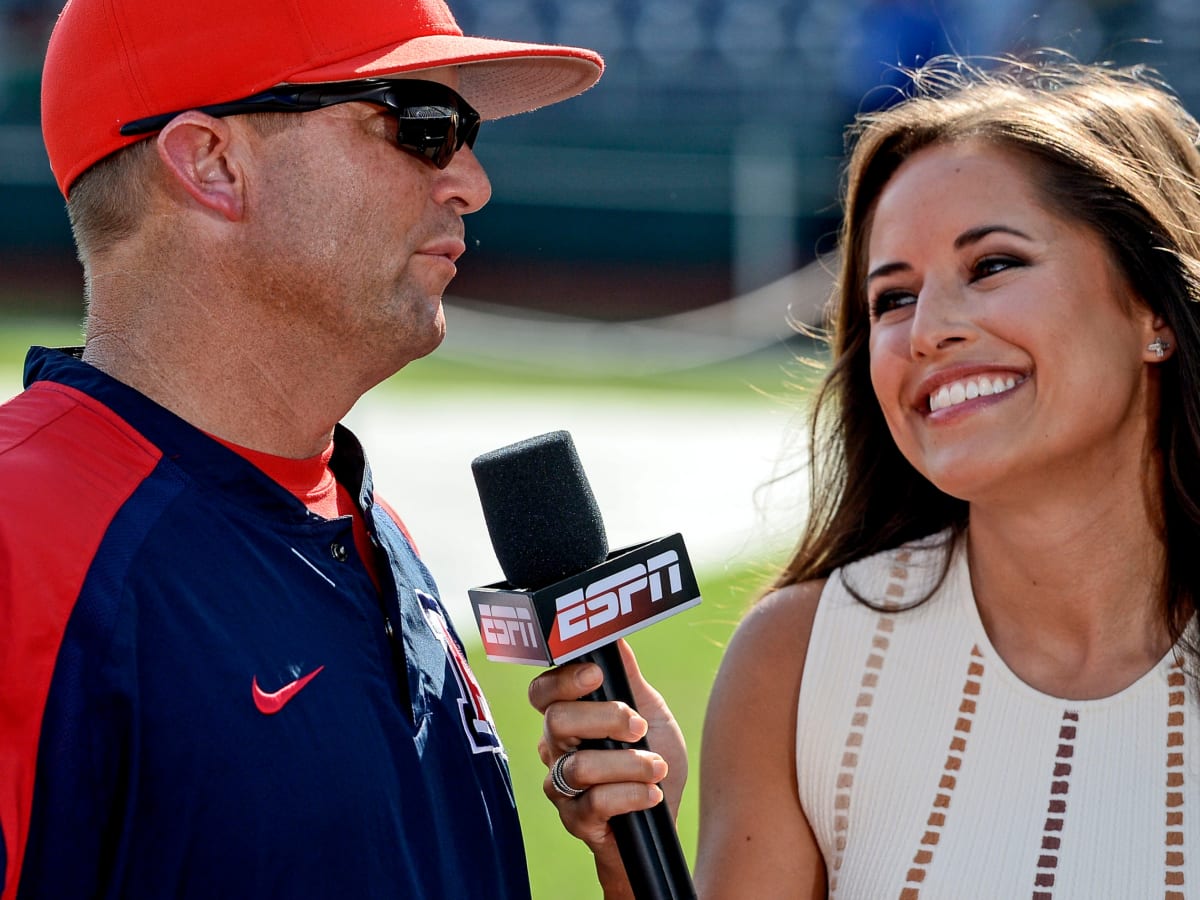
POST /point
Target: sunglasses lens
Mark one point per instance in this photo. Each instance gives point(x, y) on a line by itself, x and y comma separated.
point(430, 132)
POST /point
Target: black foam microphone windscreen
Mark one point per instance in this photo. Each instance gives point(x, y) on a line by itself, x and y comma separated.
point(540, 511)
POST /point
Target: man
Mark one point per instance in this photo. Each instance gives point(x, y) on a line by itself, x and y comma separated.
point(223, 670)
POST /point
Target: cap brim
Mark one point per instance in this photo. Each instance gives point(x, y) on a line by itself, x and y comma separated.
point(499, 78)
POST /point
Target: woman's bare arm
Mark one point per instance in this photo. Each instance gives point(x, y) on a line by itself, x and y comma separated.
point(754, 838)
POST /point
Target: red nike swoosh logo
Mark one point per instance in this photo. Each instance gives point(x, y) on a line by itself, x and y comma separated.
point(269, 704)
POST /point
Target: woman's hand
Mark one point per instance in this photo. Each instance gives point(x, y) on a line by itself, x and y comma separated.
point(611, 782)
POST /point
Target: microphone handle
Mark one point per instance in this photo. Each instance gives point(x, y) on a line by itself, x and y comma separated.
point(647, 839)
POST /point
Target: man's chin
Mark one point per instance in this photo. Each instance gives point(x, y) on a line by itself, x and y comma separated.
point(435, 336)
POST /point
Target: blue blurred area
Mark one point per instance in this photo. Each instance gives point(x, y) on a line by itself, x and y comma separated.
point(704, 165)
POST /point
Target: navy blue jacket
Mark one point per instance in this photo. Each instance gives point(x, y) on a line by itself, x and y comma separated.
point(202, 692)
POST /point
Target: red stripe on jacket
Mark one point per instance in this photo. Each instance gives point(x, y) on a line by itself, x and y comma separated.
point(67, 465)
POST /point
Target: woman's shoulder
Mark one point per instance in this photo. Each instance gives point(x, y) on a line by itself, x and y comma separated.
point(771, 640)
point(774, 634)
point(789, 609)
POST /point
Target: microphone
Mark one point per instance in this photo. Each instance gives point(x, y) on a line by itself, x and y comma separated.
point(567, 597)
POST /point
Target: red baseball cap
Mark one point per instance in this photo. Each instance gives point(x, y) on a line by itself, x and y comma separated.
point(114, 61)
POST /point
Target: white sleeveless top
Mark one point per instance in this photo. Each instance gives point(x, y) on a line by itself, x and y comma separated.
point(929, 771)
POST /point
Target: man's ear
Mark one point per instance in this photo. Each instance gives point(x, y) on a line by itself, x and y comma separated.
point(196, 150)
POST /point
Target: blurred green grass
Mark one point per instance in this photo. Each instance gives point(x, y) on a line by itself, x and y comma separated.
point(679, 656)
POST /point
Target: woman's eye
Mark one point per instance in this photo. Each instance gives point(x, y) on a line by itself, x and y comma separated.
point(992, 265)
point(886, 301)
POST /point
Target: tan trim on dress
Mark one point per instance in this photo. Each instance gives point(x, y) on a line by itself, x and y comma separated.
point(941, 801)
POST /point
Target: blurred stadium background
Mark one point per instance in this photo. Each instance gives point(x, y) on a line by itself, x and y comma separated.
point(703, 166)
point(631, 281)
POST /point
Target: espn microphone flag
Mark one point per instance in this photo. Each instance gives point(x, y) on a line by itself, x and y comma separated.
point(633, 588)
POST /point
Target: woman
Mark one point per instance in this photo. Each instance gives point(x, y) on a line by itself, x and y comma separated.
point(975, 676)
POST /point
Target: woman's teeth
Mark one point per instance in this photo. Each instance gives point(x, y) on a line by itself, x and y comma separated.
point(961, 391)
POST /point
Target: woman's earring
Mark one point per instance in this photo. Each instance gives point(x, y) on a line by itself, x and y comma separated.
point(1159, 347)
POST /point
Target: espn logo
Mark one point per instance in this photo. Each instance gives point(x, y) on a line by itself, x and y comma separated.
point(507, 626)
point(612, 598)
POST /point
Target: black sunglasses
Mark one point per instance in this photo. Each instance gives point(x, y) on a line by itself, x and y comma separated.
point(434, 122)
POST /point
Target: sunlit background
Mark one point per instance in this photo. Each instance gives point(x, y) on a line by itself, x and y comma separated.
point(703, 165)
point(635, 280)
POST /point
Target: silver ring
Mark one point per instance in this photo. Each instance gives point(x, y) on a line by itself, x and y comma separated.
point(559, 780)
